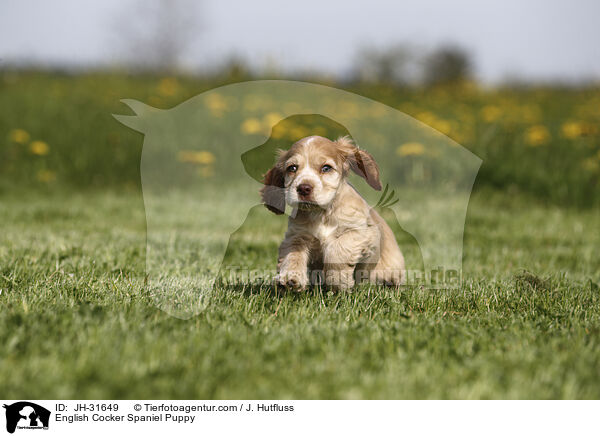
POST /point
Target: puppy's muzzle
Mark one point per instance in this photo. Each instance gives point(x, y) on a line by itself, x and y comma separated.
point(304, 190)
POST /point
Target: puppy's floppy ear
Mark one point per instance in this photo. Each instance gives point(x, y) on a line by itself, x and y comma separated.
point(360, 161)
point(273, 194)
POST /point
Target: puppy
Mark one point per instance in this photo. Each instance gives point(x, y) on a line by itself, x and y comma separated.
point(333, 235)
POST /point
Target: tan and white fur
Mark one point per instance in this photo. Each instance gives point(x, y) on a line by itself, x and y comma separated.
point(331, 229)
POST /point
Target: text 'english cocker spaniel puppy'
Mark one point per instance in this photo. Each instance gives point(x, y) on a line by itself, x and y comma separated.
point(334, 237)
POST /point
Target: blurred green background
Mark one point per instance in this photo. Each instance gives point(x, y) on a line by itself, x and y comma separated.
point(57, 130)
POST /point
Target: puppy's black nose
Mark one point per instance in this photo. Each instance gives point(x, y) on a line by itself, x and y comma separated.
point(304, 189)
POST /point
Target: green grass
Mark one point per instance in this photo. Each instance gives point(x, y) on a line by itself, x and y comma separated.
point(76, 320)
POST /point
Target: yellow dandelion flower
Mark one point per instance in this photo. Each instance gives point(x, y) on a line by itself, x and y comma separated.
point(426, 117)
point(298, 132)
point(251, 126)
point(490, 113)
point(196, 157)
point(19, 136)
point(168, 87)
point(216, 103)
point(39, 148)
point(571, 129)
point(442, 126)
point(272, 118)
point(537, 135)
point(46, 176)
point(278, 133)
point(410, 149)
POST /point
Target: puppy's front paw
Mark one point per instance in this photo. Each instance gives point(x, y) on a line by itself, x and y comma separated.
point(295, 280)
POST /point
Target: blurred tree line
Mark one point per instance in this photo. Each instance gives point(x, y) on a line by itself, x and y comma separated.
point(403, 65)
point(154, 35)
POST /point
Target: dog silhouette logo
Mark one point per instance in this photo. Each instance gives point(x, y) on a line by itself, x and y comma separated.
point(26, 415)
point(202, 167)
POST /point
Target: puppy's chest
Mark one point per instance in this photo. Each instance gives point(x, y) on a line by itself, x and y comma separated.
point(324, 232)
point(321, 235)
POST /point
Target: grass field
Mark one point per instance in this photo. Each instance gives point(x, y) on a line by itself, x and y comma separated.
point(77, 319)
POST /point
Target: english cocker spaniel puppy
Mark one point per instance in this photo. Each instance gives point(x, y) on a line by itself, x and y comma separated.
point(333, 236)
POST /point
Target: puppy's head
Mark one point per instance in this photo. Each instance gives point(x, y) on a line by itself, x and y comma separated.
point(309, 174)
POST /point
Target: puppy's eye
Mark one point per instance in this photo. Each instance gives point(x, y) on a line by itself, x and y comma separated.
point(292, 168)
point(326, 168)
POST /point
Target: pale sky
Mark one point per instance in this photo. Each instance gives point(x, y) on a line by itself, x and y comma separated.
point(534, 40)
